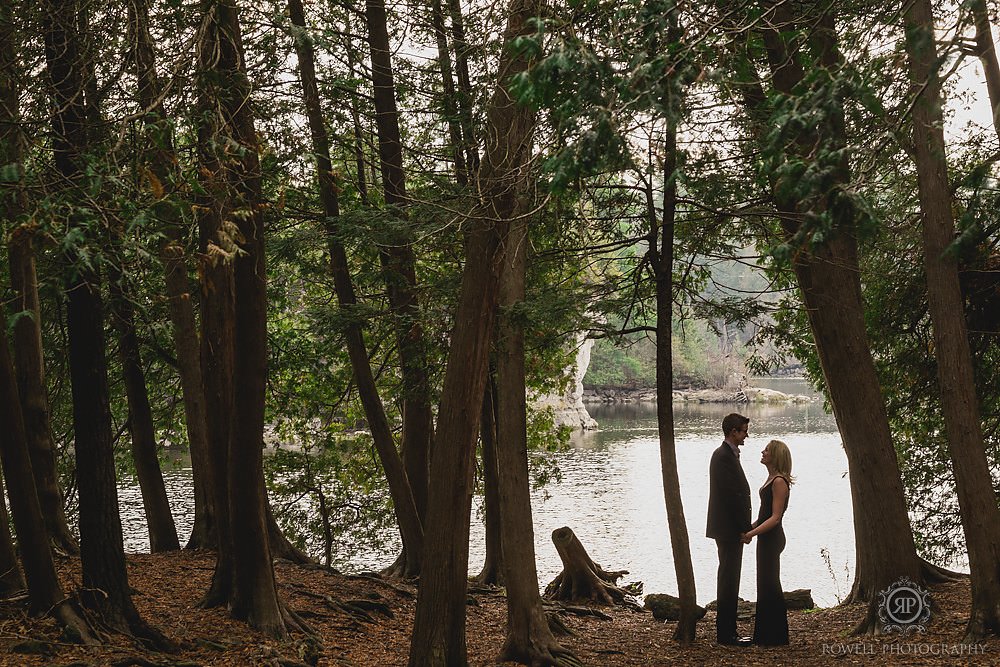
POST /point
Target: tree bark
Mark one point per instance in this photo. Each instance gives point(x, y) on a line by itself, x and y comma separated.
point(439, 625)
point(101, 544)
point(44, 590)
point(529, 639)
point(583, 580)
point(161, 159)
point(162, 532)
point(492, 573)
point(45, 595)
point(829, 280)
point(29, 362)
point(956, 380)
point(253, 596)
point(216, 250)
point(186, 343)
point(449, 103)
point(662, 263)
point(399, 266)
point(464, 97)
point(986, 50)
point(407, 515)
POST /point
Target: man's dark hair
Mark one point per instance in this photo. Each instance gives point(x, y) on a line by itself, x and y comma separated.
point(733, 422)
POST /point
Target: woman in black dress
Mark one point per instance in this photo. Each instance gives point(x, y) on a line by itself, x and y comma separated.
point(771, 623)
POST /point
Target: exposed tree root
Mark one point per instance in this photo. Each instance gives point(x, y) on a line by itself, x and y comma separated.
point(401, 568)
point(294, 622)
point(869, 625)
point(76, 627)
point(360, 610)
point(542, 656)
point(280, 546)
point(935, 574)
point(402, 589)
point(558, 627)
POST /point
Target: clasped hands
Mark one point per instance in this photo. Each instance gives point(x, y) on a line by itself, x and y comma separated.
point(745, 539)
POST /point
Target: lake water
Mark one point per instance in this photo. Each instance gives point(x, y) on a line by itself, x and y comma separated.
point(611, 495)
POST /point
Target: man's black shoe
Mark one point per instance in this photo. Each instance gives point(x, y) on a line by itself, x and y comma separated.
point(737, 641)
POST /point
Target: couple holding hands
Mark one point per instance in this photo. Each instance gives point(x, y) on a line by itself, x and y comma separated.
point(729, 525)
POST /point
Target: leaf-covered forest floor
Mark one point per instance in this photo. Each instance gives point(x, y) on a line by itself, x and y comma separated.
point(168, 587)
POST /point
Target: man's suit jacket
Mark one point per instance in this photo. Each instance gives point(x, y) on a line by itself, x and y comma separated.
point(728, 496)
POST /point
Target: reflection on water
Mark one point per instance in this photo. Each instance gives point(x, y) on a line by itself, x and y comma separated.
point(611, 494)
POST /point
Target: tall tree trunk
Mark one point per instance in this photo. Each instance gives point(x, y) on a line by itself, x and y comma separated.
point(829, 280)
point(529, 640)
point(186, 343)
point(162, 532)
point(44, 591)
point(464, 98)
point(11, 580)
point(439, 625)
point(101, 544)
point(987, 52)
point(10, 153)
point(254, 595)
point(359, 144)
point(663, 271)
point(216, 250)
point(493, 570)
point(24, 281)
point(449, 103)
point(399, 265)
point(407, 515)
point(161, 160)
point(956, 380)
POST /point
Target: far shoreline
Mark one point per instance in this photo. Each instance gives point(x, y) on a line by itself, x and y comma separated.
point(743, 394)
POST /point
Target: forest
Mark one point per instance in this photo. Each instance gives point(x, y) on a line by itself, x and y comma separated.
point(369, 233)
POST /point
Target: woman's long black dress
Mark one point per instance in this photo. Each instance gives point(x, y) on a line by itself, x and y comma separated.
point(771, 624)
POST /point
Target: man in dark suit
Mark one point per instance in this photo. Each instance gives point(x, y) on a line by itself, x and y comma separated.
point(728, 519)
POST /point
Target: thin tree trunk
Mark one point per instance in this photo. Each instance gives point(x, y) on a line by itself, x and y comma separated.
point(162, 159)
point(493, 570)
point(986, 50)
point(359, 145)
point(464, 98)
point(11, 580)
point(399, 265)
point(439, 625)
point(663, 264)
point(448, 100)
point(162, 532)
point(529, 640)
point(407, 515)
point(956, 379)
point(204, 531)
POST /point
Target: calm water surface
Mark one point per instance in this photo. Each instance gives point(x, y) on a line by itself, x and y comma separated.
point(611, 495)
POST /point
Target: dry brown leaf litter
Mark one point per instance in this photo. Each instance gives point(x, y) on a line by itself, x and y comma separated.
point(168, 587)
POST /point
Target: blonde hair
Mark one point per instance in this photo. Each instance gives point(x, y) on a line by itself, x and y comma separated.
point(781, 459)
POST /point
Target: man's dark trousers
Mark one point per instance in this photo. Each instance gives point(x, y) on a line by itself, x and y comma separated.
point(728, 588)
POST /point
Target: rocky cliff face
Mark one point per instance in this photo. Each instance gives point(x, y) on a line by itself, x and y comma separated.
point(568, 407)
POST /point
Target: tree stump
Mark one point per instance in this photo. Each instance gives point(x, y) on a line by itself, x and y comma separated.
point(582, 580)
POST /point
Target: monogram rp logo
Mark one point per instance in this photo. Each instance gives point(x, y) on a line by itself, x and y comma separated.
point(904, 607)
